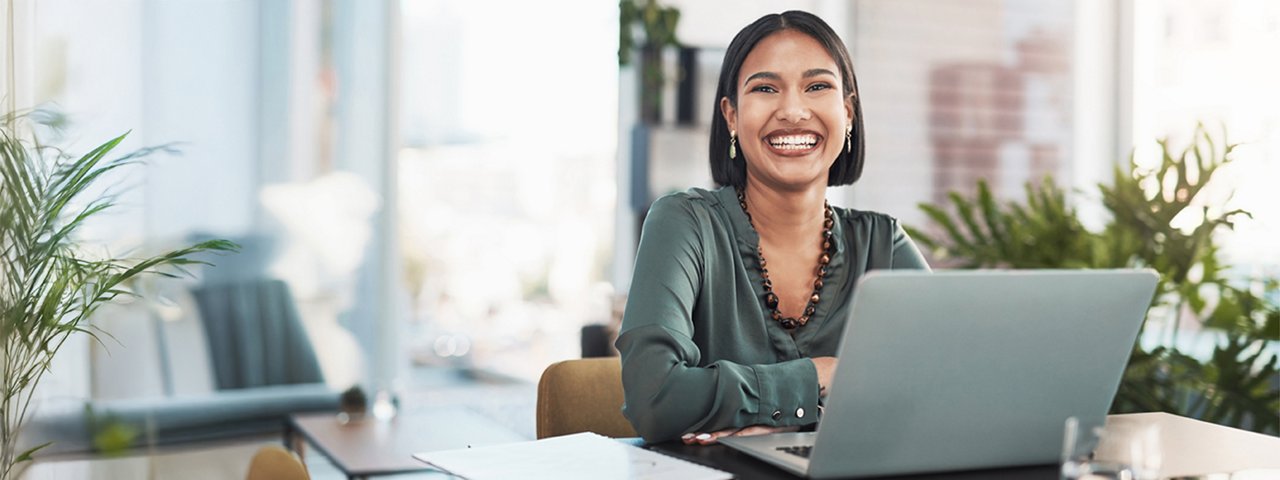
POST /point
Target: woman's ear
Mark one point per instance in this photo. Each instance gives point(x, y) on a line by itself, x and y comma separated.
point(848, 109)
point(730, 114)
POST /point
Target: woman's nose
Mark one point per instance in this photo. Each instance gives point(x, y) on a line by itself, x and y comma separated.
point(793, 109)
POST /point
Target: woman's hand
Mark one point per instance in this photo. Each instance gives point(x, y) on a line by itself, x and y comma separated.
point(826, 372)
point(711, 438)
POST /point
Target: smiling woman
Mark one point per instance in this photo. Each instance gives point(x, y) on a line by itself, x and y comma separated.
point(749, 92)
point(716, 341)
point(791, 123)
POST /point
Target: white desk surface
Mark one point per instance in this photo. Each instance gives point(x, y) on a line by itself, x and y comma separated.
point(1194, 448)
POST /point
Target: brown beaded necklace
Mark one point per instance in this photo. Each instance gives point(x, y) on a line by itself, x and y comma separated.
point(770, 298)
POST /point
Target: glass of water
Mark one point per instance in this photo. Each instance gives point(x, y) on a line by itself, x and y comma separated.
point(1121, 450)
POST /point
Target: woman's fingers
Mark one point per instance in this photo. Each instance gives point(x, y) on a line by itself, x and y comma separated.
point(754, 430)
point(699, 438)
point(712, 437)
point(762, 430)
point(706, 438)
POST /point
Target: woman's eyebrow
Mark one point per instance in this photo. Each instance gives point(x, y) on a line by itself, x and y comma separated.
point(764, 75)
point(812, 72)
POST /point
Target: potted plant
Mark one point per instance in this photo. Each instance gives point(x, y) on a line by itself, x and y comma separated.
point(1235, 384)
point(50, 282)
point(657, 24)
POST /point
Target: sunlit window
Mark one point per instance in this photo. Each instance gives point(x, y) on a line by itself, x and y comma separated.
point(506, 178)
point(1214, 62)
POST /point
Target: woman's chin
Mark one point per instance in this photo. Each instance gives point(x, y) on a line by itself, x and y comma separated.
point(796, 179)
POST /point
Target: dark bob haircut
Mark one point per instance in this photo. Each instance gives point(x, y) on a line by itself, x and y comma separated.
point(728, 172)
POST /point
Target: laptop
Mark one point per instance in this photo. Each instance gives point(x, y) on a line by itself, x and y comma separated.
point(966, 370)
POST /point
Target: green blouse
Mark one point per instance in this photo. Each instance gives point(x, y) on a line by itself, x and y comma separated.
point(699, 353)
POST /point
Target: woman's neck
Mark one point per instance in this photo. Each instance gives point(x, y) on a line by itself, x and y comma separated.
point(786, 217)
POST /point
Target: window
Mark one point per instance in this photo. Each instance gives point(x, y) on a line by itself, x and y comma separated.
point(954, 93)
point(506, 178)
point(1213, 62)
point(258, 97)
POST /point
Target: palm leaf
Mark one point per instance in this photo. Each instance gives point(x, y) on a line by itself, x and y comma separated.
point(26, 456)
point(48, 287)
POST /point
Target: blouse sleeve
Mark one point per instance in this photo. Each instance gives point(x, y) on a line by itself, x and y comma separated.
point(667, 390)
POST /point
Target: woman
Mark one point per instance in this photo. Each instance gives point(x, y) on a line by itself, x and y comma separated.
point(740, 294)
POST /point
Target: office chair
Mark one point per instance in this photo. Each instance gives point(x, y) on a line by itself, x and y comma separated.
point(582, 396)
point(255, 335)
point(273, 462)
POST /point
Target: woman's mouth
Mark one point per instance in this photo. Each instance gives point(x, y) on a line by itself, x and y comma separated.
point(793, 144)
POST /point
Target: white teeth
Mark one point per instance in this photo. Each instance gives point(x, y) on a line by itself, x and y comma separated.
point(793, 142)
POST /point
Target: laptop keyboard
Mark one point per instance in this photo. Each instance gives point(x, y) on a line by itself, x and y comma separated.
point(802, 450)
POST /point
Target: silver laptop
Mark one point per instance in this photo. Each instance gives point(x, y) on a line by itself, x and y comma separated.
point(967, 369)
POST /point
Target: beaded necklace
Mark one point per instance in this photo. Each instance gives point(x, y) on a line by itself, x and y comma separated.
point(770, 298)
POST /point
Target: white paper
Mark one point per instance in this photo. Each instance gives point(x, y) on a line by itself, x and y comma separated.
point(578, 456)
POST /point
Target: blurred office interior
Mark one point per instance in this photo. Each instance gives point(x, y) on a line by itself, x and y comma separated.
point(459, 183)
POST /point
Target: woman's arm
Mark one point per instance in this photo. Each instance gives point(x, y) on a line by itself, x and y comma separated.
point(905, 253)
point(667, 392)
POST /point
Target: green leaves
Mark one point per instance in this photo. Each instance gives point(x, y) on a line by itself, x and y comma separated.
point(112, 436)
point(1160, 219)
point(48, 284)
point(1233, 386)
point(657, 22)
point(26, 456)
point(1043, 233)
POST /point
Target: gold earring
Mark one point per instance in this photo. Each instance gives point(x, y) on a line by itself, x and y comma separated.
point(733, 140)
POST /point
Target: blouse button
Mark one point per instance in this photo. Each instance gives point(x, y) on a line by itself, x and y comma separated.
point(777, 414)
point(800, 412)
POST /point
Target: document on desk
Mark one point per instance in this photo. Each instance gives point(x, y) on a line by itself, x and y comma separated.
point(578, 456)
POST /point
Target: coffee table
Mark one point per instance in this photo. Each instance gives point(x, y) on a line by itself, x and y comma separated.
point(369, 447)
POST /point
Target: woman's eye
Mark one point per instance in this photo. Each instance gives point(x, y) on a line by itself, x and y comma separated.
point(818, 86)
point(763, 89)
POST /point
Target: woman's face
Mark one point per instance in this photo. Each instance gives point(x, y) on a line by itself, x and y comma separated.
point(791, 115)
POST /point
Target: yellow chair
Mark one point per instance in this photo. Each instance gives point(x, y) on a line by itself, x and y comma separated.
point(582, 396)
point(273, 462)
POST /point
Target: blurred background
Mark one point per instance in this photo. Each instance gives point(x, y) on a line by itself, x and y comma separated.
point(461, 182)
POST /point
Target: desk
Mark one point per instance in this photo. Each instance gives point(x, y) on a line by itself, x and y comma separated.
point(370, 447)
point(1190, 448)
